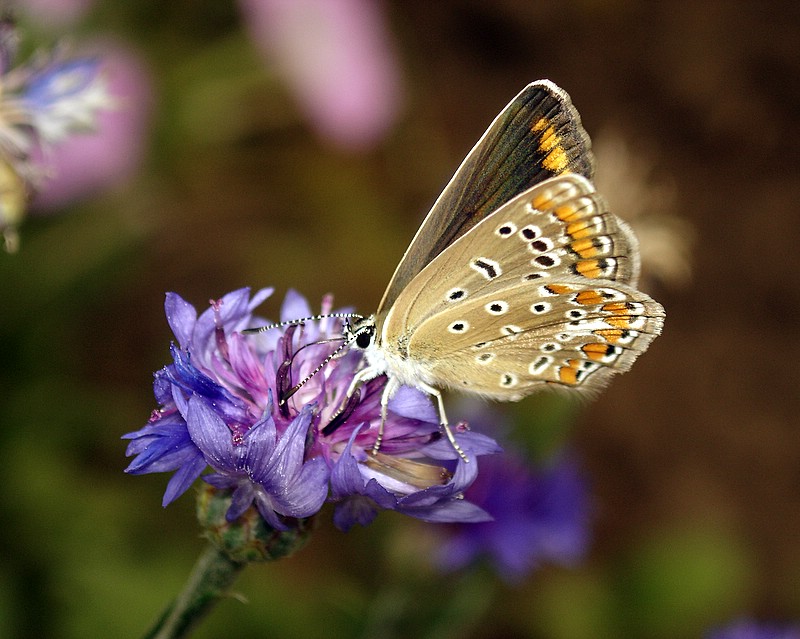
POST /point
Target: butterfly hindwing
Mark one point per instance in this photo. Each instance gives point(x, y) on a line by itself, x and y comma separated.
point(560, 333)
point(537, 136)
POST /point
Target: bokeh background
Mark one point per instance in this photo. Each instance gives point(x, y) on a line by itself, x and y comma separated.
point(298, 144)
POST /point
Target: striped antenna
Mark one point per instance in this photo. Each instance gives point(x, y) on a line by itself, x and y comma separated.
point(303, 320)
point(262, 329)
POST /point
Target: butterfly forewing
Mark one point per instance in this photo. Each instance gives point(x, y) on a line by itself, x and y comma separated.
point(559, 227)
point(537, 136)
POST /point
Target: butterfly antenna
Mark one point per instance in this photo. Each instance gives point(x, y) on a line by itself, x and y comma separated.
point(302, 320)
point(319, 367)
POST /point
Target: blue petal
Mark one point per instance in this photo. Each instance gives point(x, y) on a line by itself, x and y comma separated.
point(191, 379)
point(61, 81)
point(286, 459)
point(185, 476)
point(159, 447)
point(210, 435)
point(355, 510)
point(259, 441)
point(240, 500)
point(181, 317)
point(308, 493)
point(450, 511)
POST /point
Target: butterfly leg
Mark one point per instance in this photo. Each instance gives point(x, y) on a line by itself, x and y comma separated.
point(443, 422)
point(388, 392)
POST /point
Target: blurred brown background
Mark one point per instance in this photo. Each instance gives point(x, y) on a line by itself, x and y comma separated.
point(694, 456)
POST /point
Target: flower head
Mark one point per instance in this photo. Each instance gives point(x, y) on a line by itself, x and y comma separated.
point(42, 102)
point(538, 516)
point(219, 407)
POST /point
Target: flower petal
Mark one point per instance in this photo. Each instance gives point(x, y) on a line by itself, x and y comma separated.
point(184, 477)
point(210, 435)
point(306, 495)
point(294, 307)
point(181, 317)
point(240, 500)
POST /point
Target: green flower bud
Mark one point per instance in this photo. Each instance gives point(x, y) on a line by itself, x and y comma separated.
point(249, 538)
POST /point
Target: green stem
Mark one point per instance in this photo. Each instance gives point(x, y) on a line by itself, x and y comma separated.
point(212, 576)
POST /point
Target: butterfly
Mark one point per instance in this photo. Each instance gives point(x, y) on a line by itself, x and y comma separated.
point(519, 278)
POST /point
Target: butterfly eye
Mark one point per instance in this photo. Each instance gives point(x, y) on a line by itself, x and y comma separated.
point(364, 337)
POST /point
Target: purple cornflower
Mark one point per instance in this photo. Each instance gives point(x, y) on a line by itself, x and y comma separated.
point(42, 103)
point(219, 407)
point(747, 629)
point(538, 516)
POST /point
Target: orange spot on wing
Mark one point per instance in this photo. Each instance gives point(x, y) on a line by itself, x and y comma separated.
point(619, 321)
point(549, 139)
point(568, 374)
point(559, 289)
point(540, 125)
point(579, 230)
point(595, 351)
point(557, 160)
point(565, 212)
point(611, 335)
point(584, 248)
point(588, 298)
point(618, 308)
point(589, 268)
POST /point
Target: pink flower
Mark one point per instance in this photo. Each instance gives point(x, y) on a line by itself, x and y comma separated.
point(337, 58)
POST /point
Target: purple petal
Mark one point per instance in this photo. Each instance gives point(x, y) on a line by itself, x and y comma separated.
point(181, 317)
point(286, 460)
point(308, 493)
point(259, 297)
point(266, 509)
point(234, 306)
point(210, 435)
point(231, 307)
point(346, 479)
point(184, 477)
point(294, 307)
point(354, 510)
point(240, 500)
point(413, 403)
point(259, 442)
point(473, 444)
point(450, 511)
